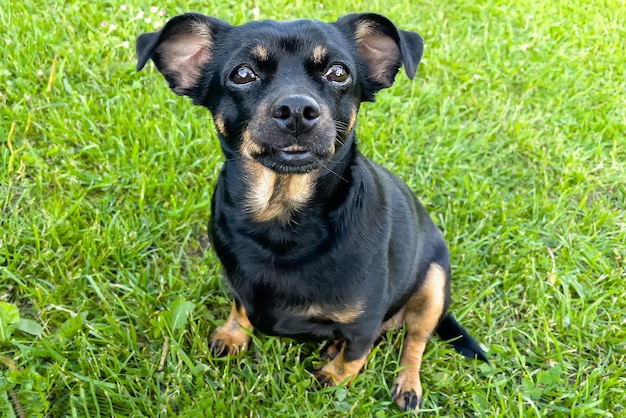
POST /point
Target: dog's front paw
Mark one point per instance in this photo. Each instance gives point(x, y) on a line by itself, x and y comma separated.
point(325, 378)
point(228, 341)
point(406, 392)
point(232, 337)
point(331, 349)
point(338, 370)
point(226, 345)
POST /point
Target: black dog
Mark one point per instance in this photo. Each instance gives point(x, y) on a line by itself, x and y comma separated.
point(317, 241)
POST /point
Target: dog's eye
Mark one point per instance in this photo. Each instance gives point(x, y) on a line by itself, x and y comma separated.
point(243, 75)
point(337, 74)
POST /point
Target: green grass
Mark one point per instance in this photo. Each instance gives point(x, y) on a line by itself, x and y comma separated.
point(513, 134)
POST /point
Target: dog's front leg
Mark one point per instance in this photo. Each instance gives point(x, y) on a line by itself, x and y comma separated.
point(347, 359)
point(232, 337)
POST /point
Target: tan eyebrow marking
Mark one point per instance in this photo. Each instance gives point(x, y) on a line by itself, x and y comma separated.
point(319, 53)
point(260, 52)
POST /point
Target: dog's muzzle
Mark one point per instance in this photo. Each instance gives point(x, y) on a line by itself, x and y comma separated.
point(294, 134)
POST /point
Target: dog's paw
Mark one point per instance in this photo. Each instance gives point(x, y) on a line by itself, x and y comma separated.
point(228, 341)
point(331, 349)
point(339, 371)
point(407, 393)
point(325, 378)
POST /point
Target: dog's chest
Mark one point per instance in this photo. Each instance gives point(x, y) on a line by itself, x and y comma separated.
point(271, 196)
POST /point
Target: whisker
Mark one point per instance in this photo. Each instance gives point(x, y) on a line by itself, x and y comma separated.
point(332, 172)
point(241, 125)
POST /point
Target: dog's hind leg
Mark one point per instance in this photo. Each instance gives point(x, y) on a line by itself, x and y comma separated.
point(421, 316)
point(232, 337)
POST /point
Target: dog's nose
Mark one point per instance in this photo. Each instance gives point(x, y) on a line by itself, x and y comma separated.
point(296, 114)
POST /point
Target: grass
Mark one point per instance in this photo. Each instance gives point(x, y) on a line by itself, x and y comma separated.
point(512, 134)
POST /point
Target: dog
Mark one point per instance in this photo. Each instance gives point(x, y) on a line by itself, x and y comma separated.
point(317, 242)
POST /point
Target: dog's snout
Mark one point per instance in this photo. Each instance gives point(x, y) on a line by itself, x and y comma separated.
point(296, 114)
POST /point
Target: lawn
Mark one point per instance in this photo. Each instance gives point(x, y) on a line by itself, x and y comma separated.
point(513, 134)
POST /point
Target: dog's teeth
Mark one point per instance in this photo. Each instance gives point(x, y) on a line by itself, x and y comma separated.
point(294, 148)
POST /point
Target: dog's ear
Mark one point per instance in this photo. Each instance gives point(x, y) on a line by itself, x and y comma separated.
point(383, 46)
point(181, 50)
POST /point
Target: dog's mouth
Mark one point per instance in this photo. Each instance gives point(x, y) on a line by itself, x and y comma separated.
point(292, 159)
point(293, 153)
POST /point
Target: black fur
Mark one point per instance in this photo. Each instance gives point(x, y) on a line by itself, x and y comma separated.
point(361, 239)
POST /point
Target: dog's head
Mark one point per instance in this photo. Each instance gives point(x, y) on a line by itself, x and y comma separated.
point(284, 94)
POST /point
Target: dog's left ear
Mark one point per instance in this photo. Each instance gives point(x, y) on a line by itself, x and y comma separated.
point(181, 50)
point(383, 46)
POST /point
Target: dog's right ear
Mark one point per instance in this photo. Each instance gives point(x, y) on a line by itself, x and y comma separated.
point(181, 50)
point(383, 47)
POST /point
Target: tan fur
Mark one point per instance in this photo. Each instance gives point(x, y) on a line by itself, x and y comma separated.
point(275, 196)
point(332, 349)
point(203, 30)
point(260, 52)
point(186, 53)
point(394, 322)
point(260, 182)
point(379, 50)
point(364, 29)
point(220, 125)
point(342, 315)
point(338, 370)
point(232, 334)
point(299, 189)
point(421, 316)
point(352, 120)
point(319, 53)
point(249, 148)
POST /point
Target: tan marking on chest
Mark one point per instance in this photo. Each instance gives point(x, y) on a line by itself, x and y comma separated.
point(273, 196)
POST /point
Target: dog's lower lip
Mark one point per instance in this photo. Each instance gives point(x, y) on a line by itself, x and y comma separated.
point(288, 160)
